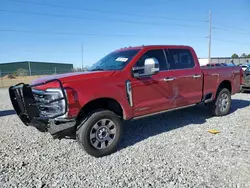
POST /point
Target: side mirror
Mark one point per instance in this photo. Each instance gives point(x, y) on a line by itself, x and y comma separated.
point(151, 67)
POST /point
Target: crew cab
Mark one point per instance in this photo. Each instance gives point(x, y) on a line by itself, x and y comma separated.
point(129, 83)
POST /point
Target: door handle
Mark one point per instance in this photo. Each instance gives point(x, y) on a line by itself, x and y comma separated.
point(214, 74)
point(196, 76)
point(168, 79)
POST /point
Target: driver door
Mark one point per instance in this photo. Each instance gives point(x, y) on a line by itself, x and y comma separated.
point(151, 94)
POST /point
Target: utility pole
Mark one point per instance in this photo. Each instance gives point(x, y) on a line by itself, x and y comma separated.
point(82, 57)
point(209, 38)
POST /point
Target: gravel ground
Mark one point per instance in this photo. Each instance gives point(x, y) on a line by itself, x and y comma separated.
point(170, 150)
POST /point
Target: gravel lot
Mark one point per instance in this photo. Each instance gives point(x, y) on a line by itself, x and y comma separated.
point(170, 150)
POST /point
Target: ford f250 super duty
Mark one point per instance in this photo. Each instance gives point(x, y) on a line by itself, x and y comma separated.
point(129, 83)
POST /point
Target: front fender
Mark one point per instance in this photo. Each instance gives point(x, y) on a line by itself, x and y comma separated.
point(84, 95)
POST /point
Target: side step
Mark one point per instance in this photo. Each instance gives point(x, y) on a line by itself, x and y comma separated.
point(208, 98)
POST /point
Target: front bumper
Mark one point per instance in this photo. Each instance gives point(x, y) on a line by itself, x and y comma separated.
point(244, 88)
point(27, 109)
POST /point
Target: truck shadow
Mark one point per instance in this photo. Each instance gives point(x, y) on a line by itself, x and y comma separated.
point(139, 130)
point(238, 104)
point(7, 113)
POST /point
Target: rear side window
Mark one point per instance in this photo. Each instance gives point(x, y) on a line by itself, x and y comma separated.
point(180, 59)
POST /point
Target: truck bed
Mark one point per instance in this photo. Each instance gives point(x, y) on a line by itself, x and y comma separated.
point(213, 76)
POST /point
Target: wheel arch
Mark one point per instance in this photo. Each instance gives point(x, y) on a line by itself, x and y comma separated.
point(224, 84)
point(215, 104)
point(102, 103)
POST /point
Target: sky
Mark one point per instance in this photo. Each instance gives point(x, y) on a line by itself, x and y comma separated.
point(56, 30)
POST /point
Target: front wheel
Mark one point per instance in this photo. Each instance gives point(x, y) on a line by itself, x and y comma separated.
point(99, 133)
point(222, 103)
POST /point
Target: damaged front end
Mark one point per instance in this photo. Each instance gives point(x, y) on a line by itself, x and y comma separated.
point(44, 109)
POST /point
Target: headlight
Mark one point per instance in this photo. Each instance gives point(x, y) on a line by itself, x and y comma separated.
point(46, 106)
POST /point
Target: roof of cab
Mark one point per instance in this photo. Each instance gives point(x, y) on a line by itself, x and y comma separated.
point(152, 46)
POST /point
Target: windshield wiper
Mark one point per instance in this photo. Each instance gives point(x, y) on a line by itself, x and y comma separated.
point(97, 69)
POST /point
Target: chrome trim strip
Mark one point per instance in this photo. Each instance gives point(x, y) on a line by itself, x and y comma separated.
point(168, 79)
point(137, 68)
point(215, 74)
point(129, 92)
point(38, 92)
point(155, 113)
point(196, 76)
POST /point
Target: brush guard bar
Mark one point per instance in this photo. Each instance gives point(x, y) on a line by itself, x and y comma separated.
point(26, 106)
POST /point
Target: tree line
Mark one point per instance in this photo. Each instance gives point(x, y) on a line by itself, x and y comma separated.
point(242, 55)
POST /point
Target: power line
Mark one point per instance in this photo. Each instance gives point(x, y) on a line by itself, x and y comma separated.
point(111, 35)
point(93, 34)
point(230, 30)
point(108, 35)
point(232, 27)
point(98, 19)
point(106, 11)
point(230, 41)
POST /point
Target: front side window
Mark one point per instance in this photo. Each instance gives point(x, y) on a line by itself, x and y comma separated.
point(158, 54)
point(114, 61)
point(180, 59)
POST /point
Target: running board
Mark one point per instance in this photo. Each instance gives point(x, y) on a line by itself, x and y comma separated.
point(161, 112)
point(208, 98)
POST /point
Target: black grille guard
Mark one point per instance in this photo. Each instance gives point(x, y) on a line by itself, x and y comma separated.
point(26, 106)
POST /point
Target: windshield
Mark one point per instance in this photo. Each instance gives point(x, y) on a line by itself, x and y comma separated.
point(114, 61)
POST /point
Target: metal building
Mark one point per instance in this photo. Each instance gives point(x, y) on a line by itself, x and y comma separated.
point(35, 68)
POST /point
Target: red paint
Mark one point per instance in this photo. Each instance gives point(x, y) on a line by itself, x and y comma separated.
point(151, 94)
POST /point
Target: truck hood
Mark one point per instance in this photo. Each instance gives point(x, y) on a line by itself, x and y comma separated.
point(76, 76)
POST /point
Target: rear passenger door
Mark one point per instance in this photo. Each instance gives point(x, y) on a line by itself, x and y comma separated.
point(187, 77)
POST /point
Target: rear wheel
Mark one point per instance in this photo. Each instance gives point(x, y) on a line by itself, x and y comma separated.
point(222, 103)
point(99, 133)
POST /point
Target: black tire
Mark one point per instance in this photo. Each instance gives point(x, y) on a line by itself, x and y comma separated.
point(86, 126)
point(216, 104)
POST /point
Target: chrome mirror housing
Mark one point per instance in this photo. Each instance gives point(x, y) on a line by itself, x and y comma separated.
point(151, 67)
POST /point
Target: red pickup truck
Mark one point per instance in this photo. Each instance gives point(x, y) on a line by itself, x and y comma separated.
point(129, 83)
